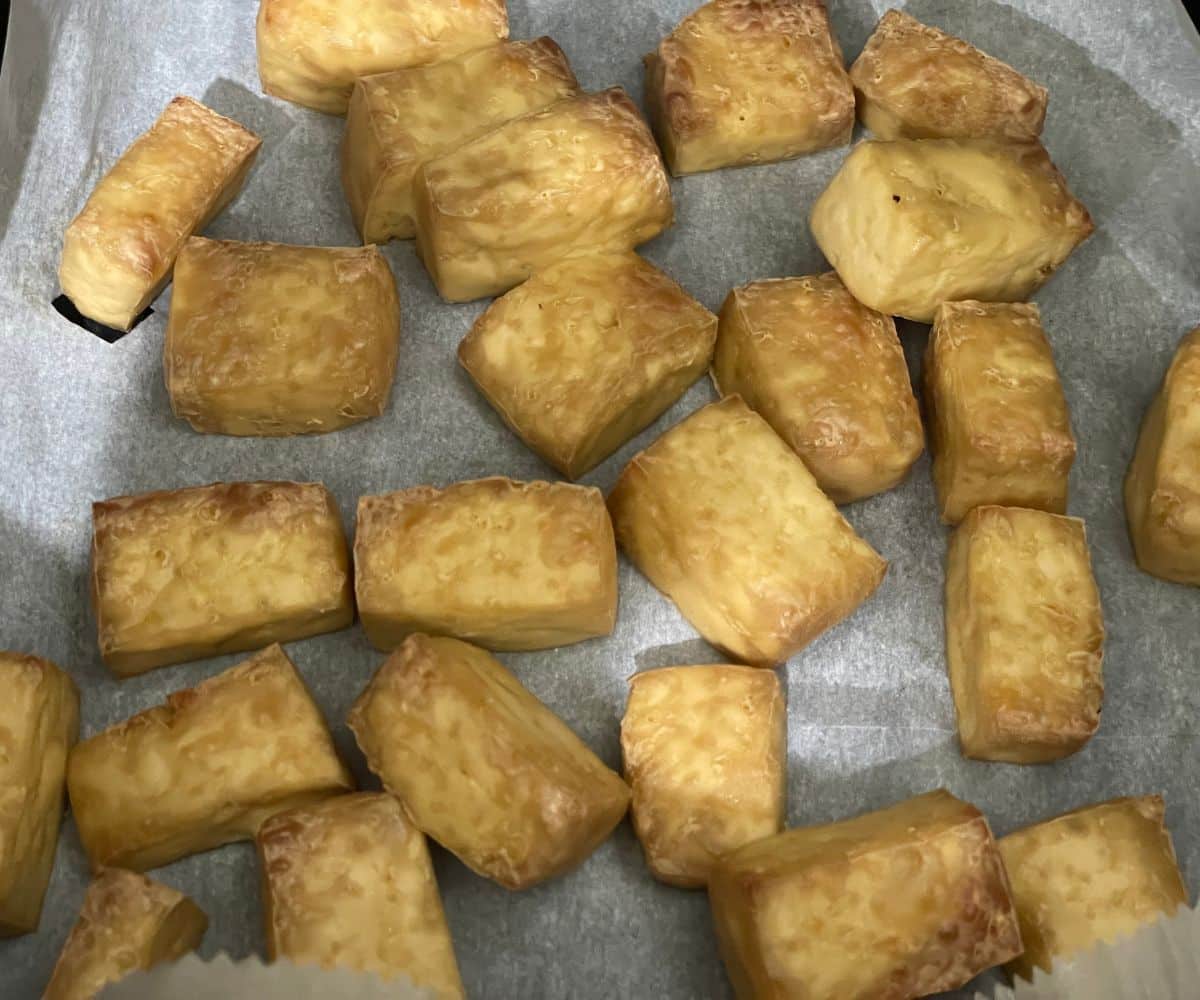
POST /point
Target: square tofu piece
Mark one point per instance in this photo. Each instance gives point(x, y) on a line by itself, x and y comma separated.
point(203, 769)
point(705, 753)
point(724, 519)
point(399, 120)
point(748, 81)
point(828, 374)
point(482, 766)
point(1000, 428)
point(270, 340)
point(504, 564)
point(1091, 875)
point(118, 252)
point(586, 354)
point(582, 176)
point(914, 223)
point(347, 883)
point(1024, 635)
point(39, 723)
point(192, 573)
point(899, 903)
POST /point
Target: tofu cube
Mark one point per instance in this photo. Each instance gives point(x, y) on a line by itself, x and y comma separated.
point(482, 766)
point(187, 574)
point(724, 519)
point(829, 376)
point(118, 252)
point(588, 353)
point(203, 769)
point(898, 903)
point(705, 751)
point(748, 81)
point(506, 565)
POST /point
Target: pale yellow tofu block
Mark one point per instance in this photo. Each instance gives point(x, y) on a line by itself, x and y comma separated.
point(170, 183)
point(914, 223)
point(724, 518)
point(186, 574)
point(347, 883)
point(39, 723)
point(203, 769)
point(894, 904)
point(1001, 433)
point(272, 340)
point(582, 176)
point(1024, 635)
point(748, 81)
point(506, 565)
point(1089, 876)
point(399, 120)
point(828, 374)
point(705, 750)
point(482, 766)
point(586, 354)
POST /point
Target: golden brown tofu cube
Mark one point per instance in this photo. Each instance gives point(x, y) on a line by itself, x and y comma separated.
point(399, 120)
point(914, 223)
point(582, 176)
point(347, 883)
point(1162, 489)
point(39, 723)
point(724, 519)
point(828, 374)
point(186, 574)
point(898, 903)
point(504, 564)
point(270, 340)
point(1024, 635)
point(705, 753)
point(119, 251)
point(203, 769)
point(482, 766)
point(1091, 875)
point(586, 354)
point(748, 81)
point(913, 81)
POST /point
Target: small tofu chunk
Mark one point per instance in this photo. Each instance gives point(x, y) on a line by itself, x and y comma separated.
point(203, 769)
point(914, 223)
point(748, 81)
point(705, 753)
point(586, 354)
point(582, 176)
point(828, 374)
point(347, 883)
point(898, 903)
point(186, 574)
point(119, 251)
point(724, 519)
point(504, 564)
point(482, 766)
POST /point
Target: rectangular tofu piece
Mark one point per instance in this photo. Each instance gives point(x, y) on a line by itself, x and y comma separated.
point(347, 883)
point(723, 517)
point(705, 750)
point(203, 769)
point(829, 376)
point(582, 176)
point(898, 903)
point(586, 354)
point(176, 178)
point(187, 574)
point(506, 565)
point(399, 120)
point(482, 766)
point(271, 340)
